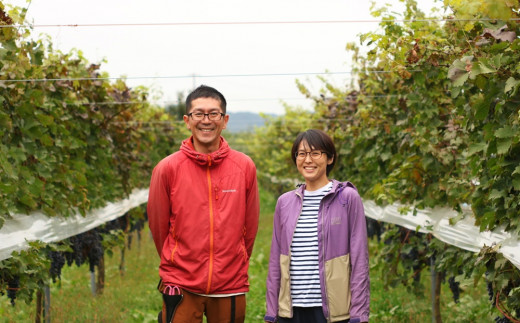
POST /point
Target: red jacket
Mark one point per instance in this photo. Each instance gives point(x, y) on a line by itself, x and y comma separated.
point(203, 214)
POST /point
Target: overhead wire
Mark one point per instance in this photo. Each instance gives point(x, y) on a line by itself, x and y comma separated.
point(249, 22)
point(234, 100)
point(166, 102)
point(195, 75)
point(227, 23)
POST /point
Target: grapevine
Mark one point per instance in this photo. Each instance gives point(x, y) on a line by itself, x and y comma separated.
point(74, 153)
point(429, 120)
point(12, 287)
point(57, 262)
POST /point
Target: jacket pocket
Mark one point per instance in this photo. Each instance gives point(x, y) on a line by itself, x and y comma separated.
point(284, 298)
point(337, 280)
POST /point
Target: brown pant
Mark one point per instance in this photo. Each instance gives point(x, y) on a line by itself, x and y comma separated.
point(230, 309)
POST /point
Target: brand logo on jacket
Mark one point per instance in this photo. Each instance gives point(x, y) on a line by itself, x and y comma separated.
point(229, 191)
point(335, 220)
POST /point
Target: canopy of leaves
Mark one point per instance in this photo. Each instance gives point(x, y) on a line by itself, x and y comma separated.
point(432, 119)
point(69, 139)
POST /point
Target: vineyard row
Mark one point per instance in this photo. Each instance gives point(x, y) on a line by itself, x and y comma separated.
point(21, 229)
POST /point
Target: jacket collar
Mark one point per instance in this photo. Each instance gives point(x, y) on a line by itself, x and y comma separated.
point(336, 186)
point(213, 158)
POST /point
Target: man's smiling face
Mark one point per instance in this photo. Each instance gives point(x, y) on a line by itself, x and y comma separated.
point(206, 132)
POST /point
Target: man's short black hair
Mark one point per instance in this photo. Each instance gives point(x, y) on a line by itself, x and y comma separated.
point(205, 91)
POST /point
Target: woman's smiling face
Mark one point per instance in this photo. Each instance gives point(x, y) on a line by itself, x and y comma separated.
point(313, 170)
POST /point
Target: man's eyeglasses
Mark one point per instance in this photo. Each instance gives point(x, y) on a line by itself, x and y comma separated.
point(213, 116)
point(315, 154)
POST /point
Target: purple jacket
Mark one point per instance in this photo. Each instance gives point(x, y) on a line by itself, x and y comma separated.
point(343, 252)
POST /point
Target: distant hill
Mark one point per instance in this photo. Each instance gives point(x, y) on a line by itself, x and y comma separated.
point(244, 121)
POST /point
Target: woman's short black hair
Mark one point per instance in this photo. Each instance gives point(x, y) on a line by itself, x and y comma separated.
point(317, 140)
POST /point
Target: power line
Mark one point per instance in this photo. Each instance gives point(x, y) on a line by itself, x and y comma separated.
point(151, 24)
point(173, 102)
point(174, 76)
point(149, 122)
point(266, 99)
point(167, 102)
point(204, 76)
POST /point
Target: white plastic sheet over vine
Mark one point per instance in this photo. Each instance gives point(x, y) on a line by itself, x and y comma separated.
point(463, 234)
point(18, 231)
point(21, 229)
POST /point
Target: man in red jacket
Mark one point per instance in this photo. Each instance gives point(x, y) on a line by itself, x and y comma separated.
point(203, 212)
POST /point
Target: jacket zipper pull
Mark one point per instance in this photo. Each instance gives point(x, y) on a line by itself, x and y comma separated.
point(216, 193)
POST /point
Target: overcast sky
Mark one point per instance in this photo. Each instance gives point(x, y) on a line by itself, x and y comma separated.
point(253, 63)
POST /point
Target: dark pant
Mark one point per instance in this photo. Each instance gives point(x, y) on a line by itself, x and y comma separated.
point(230, 309)
point(306, 315)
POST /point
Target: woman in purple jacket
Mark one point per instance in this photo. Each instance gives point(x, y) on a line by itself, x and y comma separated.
point(318, 268)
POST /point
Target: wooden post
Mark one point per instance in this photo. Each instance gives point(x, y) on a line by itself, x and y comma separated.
point(435, 292)
point(39, 298)
point(101, 276)
point(437, 302)
point(139, 239)
point(93, 282)
point(122, 263)
point(47, 304)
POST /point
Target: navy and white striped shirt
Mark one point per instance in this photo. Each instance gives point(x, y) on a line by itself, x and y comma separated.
point(304, 268)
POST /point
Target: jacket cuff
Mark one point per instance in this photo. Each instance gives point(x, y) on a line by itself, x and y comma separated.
point(363, 318)
point(268, 318)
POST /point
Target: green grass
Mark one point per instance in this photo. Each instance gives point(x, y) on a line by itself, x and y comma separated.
point(133, 297)
point(399, 305)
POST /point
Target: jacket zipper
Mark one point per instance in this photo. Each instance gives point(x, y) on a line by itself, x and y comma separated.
point(322, 206)
point(175, 245)
point(210, 270)
point(324, 244)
